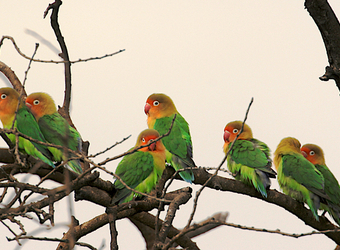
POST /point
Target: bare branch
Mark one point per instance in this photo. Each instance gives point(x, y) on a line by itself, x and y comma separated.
point(52, 61)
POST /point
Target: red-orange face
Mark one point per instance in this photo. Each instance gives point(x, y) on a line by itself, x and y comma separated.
point(9, 99)
point(145, 140)
point(230, 133)
point(309, 154)
point(35, 105)
point(159, 105)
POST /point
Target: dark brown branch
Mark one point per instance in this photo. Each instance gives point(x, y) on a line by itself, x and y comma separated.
point(274, 197)
point(148, 221)
point(65, 109)
point(329, 27)
point(180, 199)
point(112, 215)
point(124, 210)
point(11, 76)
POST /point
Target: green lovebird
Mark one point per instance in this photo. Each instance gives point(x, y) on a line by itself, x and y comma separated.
point(249, 159)
point(297, 177)
point(55, 128)
point(160, 111)
point(315, 155)
point(142, 169)
point(25, 123)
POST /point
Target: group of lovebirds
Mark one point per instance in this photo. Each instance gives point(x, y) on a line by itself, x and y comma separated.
point(301, 171)
point(38, 118)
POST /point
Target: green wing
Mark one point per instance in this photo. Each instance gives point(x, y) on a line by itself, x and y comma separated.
point(57, 131)
point(303, 172)
point(133, 170)
point(27, 125)
point(254, 154)
point(332, 188)
point(178, 143)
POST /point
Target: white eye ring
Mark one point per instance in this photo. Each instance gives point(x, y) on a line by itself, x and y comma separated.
point(36, 102)
point(155, 103)
point(235, 130)
point(3, 96)
point(311, 153)
point(143, 139)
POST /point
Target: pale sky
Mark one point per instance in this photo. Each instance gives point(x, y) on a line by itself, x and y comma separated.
point(210, 57)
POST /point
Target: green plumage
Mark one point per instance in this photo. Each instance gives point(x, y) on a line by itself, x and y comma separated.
point(137, 170)
point(249, 162)
point(26, 124)
point(56, 130)
point(332, 189)
point(178, 144)
point(299, 179)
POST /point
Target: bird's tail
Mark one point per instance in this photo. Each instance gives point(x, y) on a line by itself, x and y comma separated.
point(75, 166)
point(334, 211)
point(261, 182)
point(178, 163)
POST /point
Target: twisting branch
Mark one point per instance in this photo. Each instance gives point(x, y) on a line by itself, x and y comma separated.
point(11, 76)
point(65, 109)
point(329, 27)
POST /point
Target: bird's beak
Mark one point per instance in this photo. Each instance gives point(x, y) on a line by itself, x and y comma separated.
point(152, 146)
point(28, 105)
point(147, 108)
point(226, 136)
point(304, 154)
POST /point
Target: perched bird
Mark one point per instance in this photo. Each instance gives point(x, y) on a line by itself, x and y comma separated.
point(142, 169)
point(161, 110)
point(25, 123)
point(55, 128)
point(297, 177)
point(249, 159)
point(314, 154)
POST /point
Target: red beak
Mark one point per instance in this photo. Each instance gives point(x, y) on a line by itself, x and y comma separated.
point(152, 146)
point(28, 105)
point(147, 107)
point(226, 135)
point(304, 154)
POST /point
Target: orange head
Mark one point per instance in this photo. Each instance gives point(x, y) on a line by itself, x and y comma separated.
point(313, 153)
point(232, 129)
point(40, 104)
point(145, 137)
point(159, 105)
point(9, 99)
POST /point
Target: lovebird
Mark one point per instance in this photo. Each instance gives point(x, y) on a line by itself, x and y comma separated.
point(297, 177)
point(160, 111)
point(249, 159)
point(315, 155)
point(55, 128)
point(142, 169)
point(25, 123)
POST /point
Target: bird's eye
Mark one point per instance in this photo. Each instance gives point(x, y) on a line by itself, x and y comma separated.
point(36, 102)
point(311, 153)
point(143, 139)
point(235, 130)
point(155, 103)
point(3, 96)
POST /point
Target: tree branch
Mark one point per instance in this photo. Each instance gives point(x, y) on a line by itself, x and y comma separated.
point(329, 27)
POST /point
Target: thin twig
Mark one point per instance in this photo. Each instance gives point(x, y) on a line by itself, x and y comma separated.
point(56, 62)
point(109, 148)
